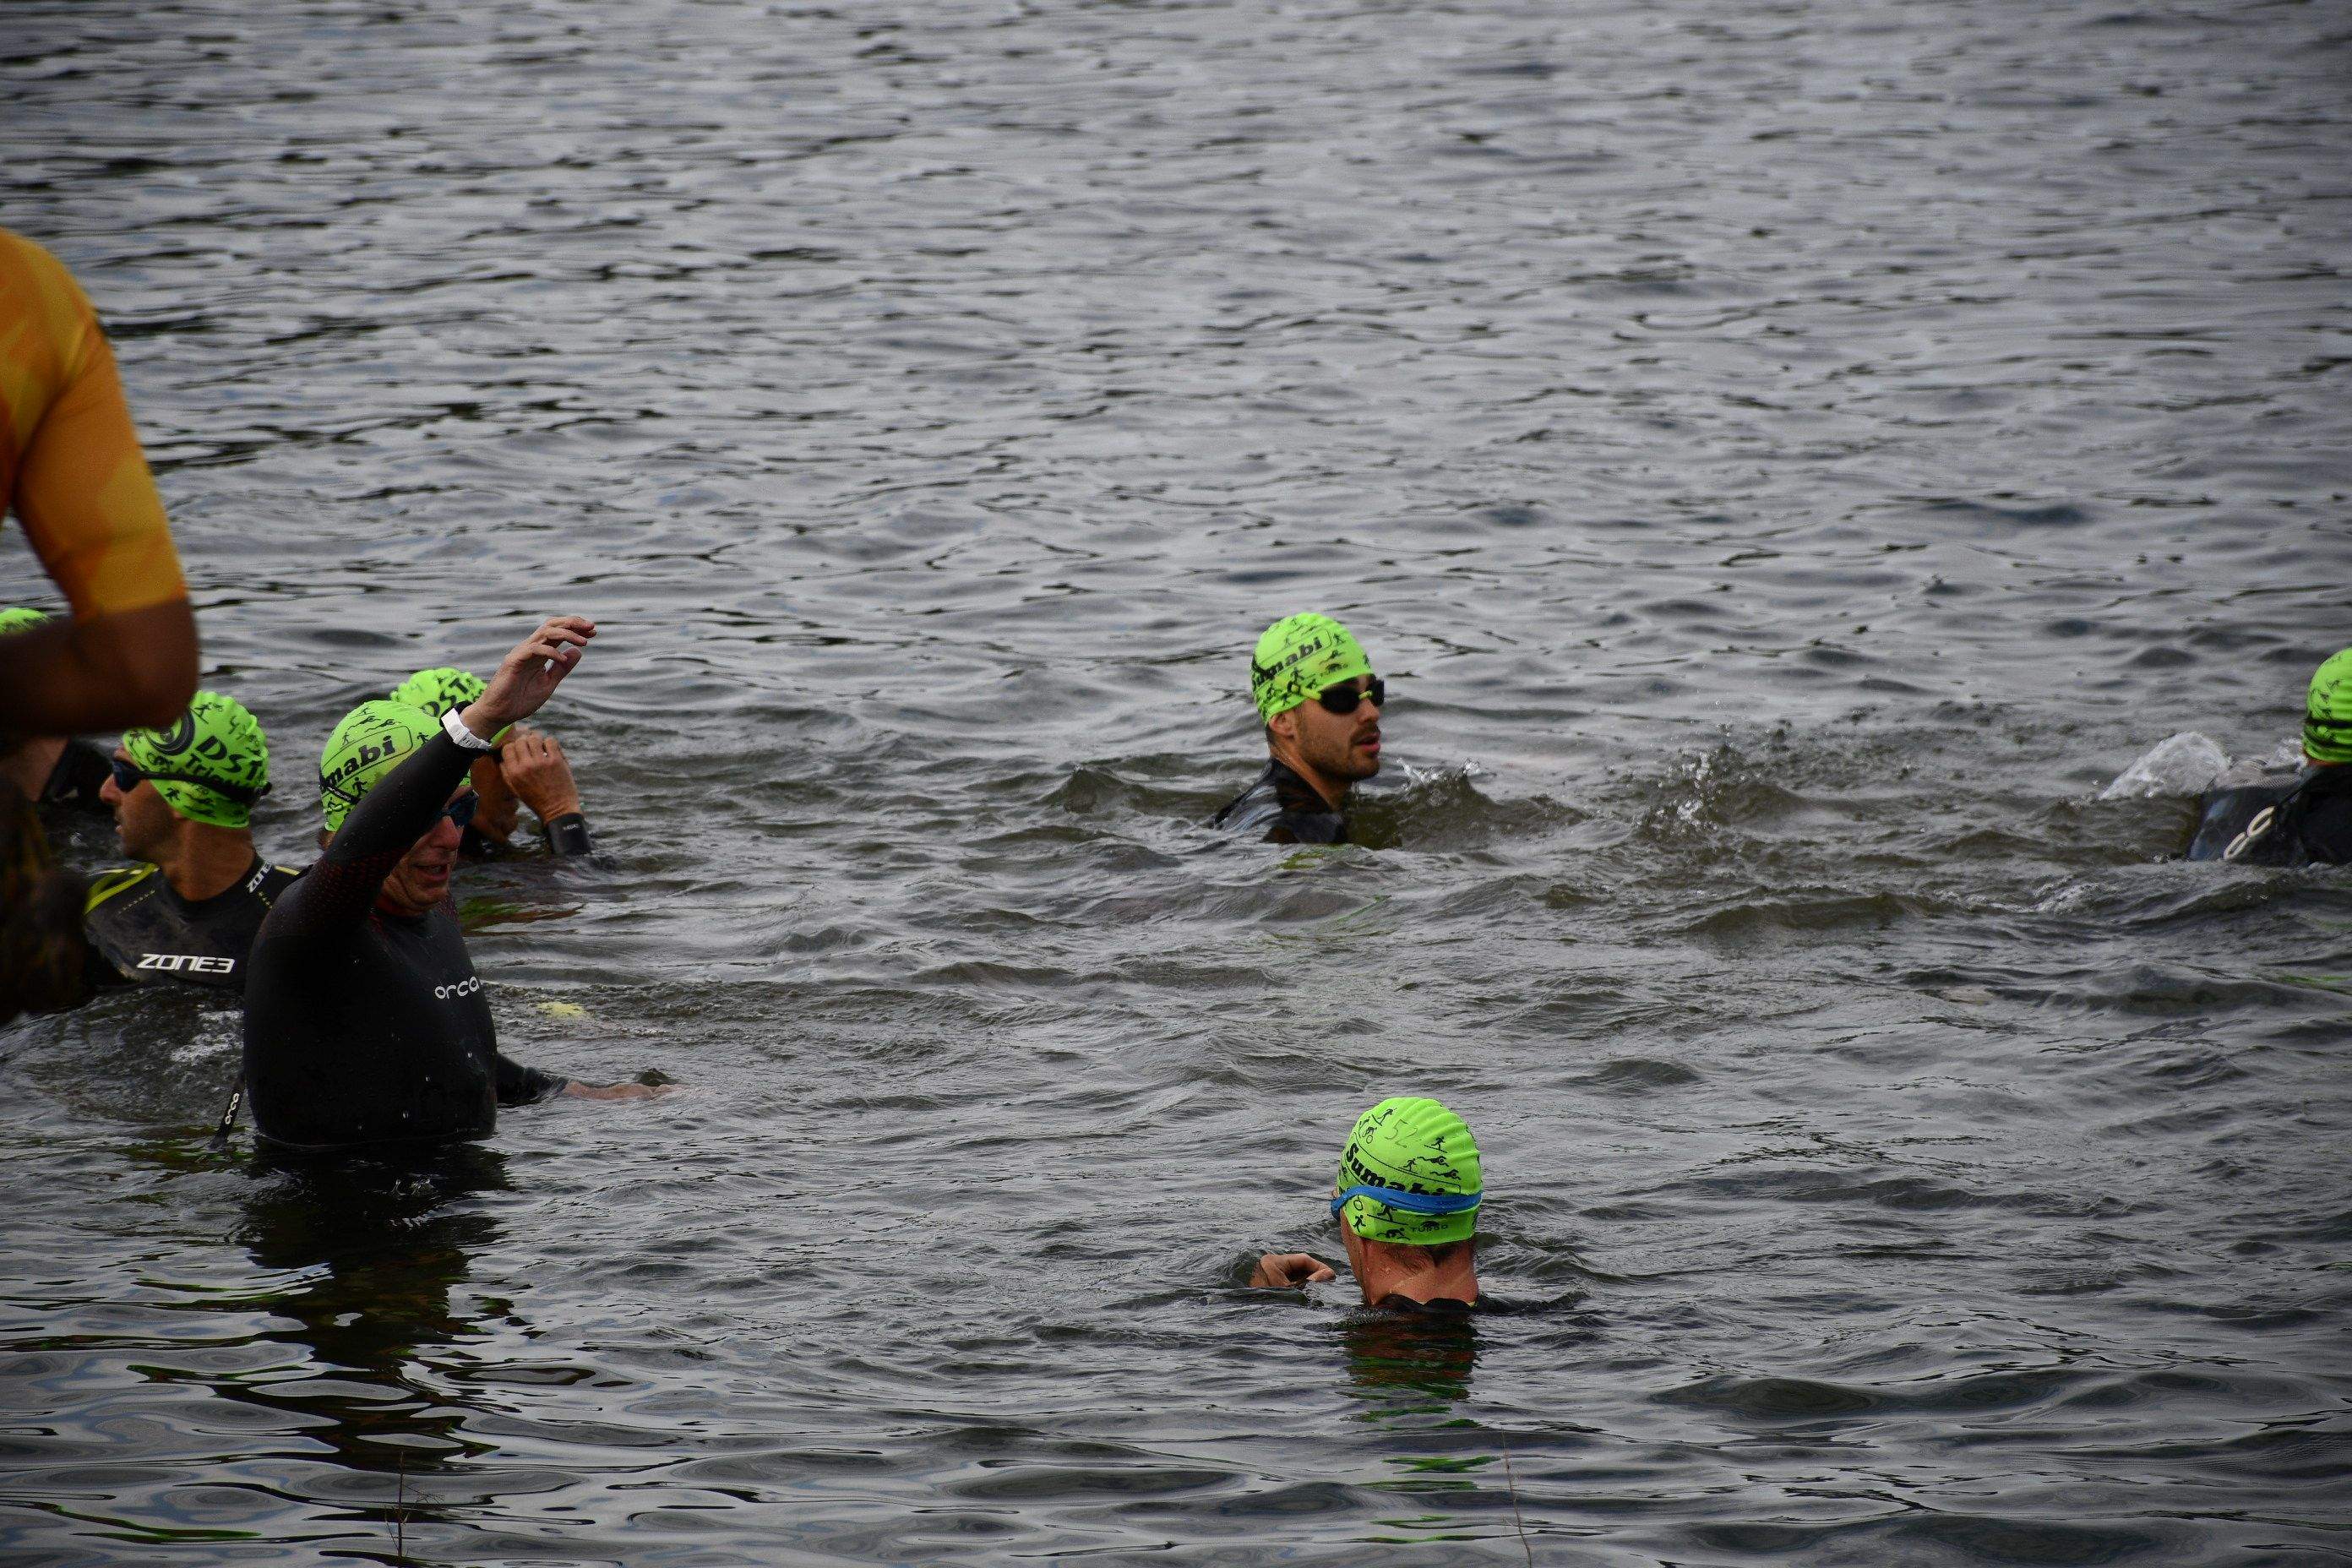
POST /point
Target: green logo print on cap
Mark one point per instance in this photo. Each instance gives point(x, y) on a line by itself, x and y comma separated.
point(1299, 655)
point(1410, 1145)
point(217, 740)
point(443, 690)
point(371, 741)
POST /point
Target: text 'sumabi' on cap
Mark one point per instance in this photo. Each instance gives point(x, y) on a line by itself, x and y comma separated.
point(1412, 1147)
point(371, 741)
point(1298, 657)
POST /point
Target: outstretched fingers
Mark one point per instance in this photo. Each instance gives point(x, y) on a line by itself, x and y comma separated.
point(528, 675)
point(559, 637)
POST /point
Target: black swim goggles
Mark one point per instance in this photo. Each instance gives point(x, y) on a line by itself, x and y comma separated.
point(1344, 699)
point(128, 775)
point(461, 810)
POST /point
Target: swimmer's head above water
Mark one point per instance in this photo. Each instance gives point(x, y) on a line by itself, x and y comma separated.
point(1407, 1198)
point(1315, 691)
point(209, 765)
point(373, 740)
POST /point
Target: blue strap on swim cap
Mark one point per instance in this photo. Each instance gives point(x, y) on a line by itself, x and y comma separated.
point(1412, 1203)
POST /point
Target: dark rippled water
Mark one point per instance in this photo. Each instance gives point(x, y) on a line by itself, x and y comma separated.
point(1787, 460)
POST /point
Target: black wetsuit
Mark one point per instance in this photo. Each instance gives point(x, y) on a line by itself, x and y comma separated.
point(2310, 820)
point(566, 837)
point(1282, 808)
point(367, 1027)
point(141, 933)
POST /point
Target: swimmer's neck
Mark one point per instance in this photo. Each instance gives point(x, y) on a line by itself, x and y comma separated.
point(1286, 752)
point(203, 861)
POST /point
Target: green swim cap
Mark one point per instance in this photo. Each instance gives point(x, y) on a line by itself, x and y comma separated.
point(217, 758)
point(1298, 657)
point(371, 741)
point(2327, 712)
point(443, 690)
point(438, 691)
point(1411, 1147)
point(20, 620)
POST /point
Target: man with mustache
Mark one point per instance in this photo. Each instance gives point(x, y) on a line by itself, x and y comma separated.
point(365, 1022)
point(1320, 703)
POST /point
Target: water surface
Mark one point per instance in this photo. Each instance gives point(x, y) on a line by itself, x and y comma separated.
point(1786, 460)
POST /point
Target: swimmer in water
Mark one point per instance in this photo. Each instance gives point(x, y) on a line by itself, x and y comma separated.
point(183, 800)
point(2305, 820)
point(1407, 1199)
point(1320, 703)
point(365, 1021)
point(524, 767)
point(49, 770)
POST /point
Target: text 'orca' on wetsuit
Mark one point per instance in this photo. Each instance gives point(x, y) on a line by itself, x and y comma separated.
point(363, 1026)
point(1282, 808)
point(141, 933)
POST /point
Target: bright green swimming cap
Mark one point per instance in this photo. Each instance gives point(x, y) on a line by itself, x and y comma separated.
point(438, 691)
point(20, 620)
point(371, 741)
point(217, 755)
point(2327, 712)
point(1412, 1146)
point(443, 690)
point(1298, 657)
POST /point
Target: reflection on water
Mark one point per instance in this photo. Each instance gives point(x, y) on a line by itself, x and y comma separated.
point(1408, 1370)
point(369, 1254)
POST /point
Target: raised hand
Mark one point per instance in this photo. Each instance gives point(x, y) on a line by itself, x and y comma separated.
point(528, 676)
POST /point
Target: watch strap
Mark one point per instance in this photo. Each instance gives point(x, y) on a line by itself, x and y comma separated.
point(454, 727)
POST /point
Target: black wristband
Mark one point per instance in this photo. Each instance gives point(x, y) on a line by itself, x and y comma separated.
point(568, 835)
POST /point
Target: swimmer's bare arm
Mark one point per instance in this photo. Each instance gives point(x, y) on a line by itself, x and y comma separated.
point(1283, 1269)
point(117, 672)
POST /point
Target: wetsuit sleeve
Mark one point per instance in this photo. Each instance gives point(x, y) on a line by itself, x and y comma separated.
point(519, 1085)
point(568, 835)
point(338, 892)
point(76, 477)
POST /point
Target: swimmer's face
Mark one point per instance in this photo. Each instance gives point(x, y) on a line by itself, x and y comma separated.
point(421, 881)
point(142, 819)
point(1343, 746)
